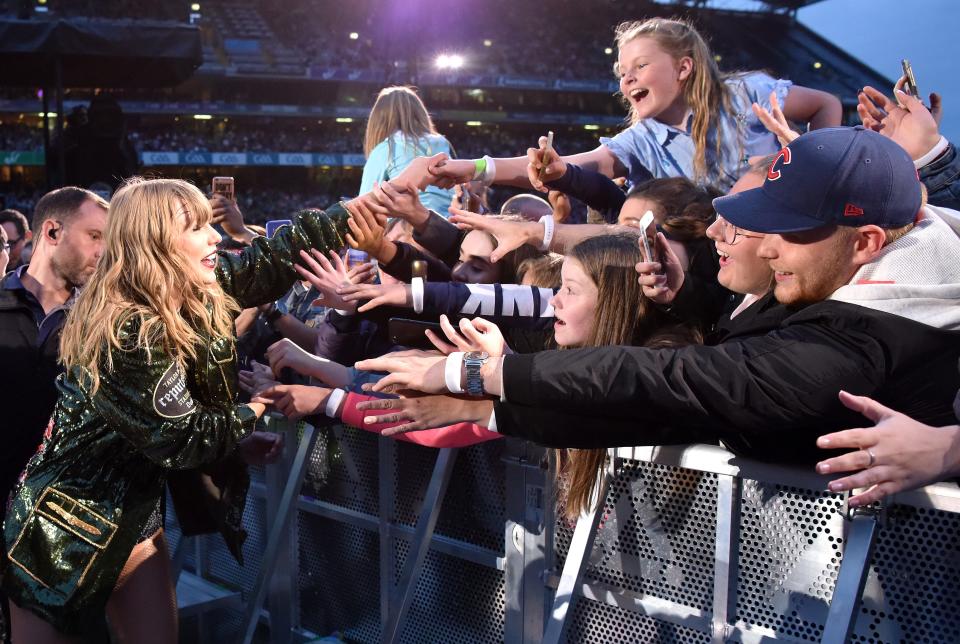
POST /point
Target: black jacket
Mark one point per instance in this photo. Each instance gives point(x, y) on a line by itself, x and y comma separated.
point(28, 390)
point(766, 392)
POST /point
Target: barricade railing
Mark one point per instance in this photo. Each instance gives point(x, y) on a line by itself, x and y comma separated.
point(689, 544)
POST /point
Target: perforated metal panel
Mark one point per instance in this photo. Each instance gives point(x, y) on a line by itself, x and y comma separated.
point(473, 510)
point(790, 554)
point(456, 602)
point(339, 579)
point(656, 543)
point(914, 584)
point(598, 623)
point(343, 469)
point(656, 536)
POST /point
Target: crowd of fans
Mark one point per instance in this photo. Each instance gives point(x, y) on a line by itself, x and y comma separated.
point(790, 296)
point(18, 137)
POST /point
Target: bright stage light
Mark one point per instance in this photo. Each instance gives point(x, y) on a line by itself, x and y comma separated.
point(817, 65)
point(344, 119)
point(487, 43)
point(474, 123)
point(202, 117)
point(608, 51)
point(195, 6)
point(449, 61)
point(354, 35)
point(591, 127)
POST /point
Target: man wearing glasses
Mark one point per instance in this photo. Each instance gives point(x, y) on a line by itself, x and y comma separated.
point(18, 233)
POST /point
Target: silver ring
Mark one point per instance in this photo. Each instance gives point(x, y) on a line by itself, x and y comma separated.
point(873, 459)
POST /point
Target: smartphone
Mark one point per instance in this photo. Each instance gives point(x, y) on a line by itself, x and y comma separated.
point(410, 333)
point(911, 85)
point(223, 186)
point(645, 222)
point(547, 151)
point(466, 199)
point(274, 224)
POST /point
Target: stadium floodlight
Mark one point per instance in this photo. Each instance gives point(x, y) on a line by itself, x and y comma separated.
point(354, 35)
point(591, 126)
point(344, 119)
point(203, 117)
point(449, 61)
point(474, 123)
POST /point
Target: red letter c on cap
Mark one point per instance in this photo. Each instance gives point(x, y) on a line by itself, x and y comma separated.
point(772, 174)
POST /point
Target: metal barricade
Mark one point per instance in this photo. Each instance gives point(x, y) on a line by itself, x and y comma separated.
point(389, 541)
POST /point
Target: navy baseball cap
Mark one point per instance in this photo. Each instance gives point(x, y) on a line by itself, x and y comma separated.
point(845, 176)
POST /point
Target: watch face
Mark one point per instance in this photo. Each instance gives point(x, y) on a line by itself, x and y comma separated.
point(476, 355)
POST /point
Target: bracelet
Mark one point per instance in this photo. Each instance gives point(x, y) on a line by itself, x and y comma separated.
point(451, 372)
point(480, 166)
point(416, 290)
point(489, 172)
point(334, 402)
point(548, 228)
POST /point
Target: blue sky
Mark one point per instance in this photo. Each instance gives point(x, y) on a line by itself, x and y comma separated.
point(881, 32)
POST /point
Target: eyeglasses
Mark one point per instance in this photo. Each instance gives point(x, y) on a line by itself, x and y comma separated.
point(730, 234)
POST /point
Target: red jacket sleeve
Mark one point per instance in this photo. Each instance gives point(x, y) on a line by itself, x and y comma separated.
point(459, 435)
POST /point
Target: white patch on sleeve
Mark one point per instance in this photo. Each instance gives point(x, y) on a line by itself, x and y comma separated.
point(171, 398)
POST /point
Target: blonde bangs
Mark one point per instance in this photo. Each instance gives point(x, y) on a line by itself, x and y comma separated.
point(143, 274)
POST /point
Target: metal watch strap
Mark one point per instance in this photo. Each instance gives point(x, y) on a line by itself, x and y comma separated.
point(473, 362)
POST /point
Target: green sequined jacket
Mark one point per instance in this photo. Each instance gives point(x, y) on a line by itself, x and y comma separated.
point(87, 494)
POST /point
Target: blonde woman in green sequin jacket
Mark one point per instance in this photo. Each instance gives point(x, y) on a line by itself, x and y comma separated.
point(149, 388)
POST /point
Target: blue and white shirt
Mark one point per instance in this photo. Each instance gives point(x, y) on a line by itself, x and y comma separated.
point(650, 147)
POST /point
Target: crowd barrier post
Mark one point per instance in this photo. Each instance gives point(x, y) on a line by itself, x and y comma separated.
point(387, 508)
point(527, 540)
point(727, 553)
point(573, 567)
point(402, 594)
point(861, 537)
point(279, 533)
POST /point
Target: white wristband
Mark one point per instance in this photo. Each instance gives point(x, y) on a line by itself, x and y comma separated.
point(934, 152)
point(451, 372)
point(416, 290)
point(334, 402)
point(489, 173)
point(548, 224)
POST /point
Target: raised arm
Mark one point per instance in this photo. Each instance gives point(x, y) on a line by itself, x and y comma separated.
point(819, 109)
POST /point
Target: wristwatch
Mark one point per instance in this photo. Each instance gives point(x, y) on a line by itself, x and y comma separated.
point(472, 362)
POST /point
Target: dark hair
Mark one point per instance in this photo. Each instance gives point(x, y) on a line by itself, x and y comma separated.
point(62, 204)
point(686, 208)
point(17, 218)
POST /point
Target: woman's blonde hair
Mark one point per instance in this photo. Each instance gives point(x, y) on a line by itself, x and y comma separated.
point(704, 89)
point(625, 317)
point(143, 275)
point(397, 109)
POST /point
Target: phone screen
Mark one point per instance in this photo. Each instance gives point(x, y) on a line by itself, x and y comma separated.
point(274, 224)
point(223, 186)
